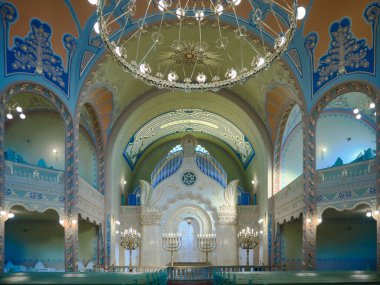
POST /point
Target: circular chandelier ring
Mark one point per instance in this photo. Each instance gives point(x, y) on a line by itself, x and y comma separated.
point(197, 62)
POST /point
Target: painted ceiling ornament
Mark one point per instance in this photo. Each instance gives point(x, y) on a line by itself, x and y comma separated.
point(196, 45)
point(346, 54)
point(34, 54)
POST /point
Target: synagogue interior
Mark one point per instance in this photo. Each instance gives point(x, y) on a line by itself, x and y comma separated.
point(164, 141)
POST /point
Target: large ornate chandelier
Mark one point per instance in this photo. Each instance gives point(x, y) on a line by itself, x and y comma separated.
point(196, 44)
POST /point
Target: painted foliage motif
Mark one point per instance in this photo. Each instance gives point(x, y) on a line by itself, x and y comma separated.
point(33, 54)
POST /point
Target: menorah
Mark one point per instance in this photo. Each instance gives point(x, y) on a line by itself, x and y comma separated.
point(247, 239)
point(171, 242)
point(206, 243)
point(130, 240)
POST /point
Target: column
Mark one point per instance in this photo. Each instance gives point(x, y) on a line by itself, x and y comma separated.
point(151, 239)
point(309, 227)
point(377, 163)
point(2, 183)
point(226, 249)
point(71, 197)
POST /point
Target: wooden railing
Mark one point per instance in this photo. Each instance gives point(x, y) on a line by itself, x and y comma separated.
point(207, 272)
point(135, 269)
point(191, 272)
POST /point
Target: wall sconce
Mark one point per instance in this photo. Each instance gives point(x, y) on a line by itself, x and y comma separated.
point(319, 220)
point(261, 221)
point(364, 108)
point(117, 222)
point(368, 213)
point(323, 152)
point(6, 214)
point(253, 182)
point(70, 221)
point(55, 153)
point(14, 107)
point(376, 212)
point(308, 220)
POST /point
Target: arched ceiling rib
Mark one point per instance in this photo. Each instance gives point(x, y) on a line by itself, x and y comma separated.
point(189, 120)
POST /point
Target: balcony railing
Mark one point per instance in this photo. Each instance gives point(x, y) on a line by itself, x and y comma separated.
point(351, 183)
point(28, 171)
point(346, 171)
point(90, 202)
point(38, 188)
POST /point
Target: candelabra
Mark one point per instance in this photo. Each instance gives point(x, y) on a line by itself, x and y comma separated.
point(247, 239)
point(171, 242)
point(130, 240)
point(206, 243)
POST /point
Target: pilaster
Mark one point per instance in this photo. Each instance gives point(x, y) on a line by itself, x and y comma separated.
point(151, 237)
point(310, 210)
point(71, 198)
point(377, 102)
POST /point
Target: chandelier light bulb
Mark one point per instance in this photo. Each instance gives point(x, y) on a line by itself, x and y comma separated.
point(301, 12)
point(199, 15)
point(118, 51)
point(172, 76)
point(93, 2)
point(260, 61)
point(22, 116)
point(219, 9)
point(145, 68)
point(358, 116)
point(162, 5)
point(282, 41)
point(180, 12)
point(201, 78)
point(356, 111)
point(372, 105)
point(10, 215)
point(369, 214)
point(61, 221)
point(231, 73)
point(9, 116)
point(319, 220)
point(19, 109)
point(96, 28)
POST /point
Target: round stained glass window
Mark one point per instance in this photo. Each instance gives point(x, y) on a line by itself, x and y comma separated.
point(189, 178)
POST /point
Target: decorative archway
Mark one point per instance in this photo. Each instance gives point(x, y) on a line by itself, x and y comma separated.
point(71, 161)
point(310, 176)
